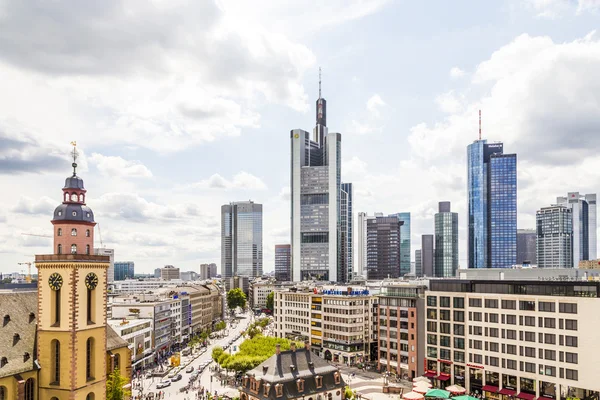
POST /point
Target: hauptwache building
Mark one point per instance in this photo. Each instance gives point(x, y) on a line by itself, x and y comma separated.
point(54, 342)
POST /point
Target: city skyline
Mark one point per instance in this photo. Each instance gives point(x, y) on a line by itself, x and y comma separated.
point(163, 145)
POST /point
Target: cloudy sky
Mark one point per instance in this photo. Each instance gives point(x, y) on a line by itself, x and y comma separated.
point(181, 106)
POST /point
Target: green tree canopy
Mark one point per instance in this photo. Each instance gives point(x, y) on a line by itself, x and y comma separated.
point(236, 298)
point(219, 326)
point(270, 297)
point(114, 386)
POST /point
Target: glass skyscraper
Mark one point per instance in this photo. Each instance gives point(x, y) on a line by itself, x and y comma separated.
point(492, 206)
point(124, 270)
point(446, 241)
point(346, 259)
point(241, 239)
point(404, 243)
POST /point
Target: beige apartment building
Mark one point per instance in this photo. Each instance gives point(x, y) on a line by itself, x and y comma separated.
point(337, 320)
point(514, 339)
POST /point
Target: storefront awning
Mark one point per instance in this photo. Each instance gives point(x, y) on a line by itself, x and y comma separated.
point(430, 374)
point(443, 378)
point(490, 388)
point(526, 396)
point(544, 398)
point(507, 392)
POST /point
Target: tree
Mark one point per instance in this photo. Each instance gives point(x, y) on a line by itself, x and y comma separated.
point(236, 298)
point(115, 386)
point(219, 326)
point(216, 353)
point(270, 301)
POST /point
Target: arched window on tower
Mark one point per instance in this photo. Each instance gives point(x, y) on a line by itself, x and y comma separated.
point(3, 394)
point(73, 249)
point(90, 396)
point(55, 362)
point(81, 198)
point(55, 307)
point(59, 232)
point(29, 392)
point(87, 249)
point(87, 233)
point(89, 359)
point(117, 362)
point(73, 232)
point(59, 249)
point(66, 196)
point(74, 197)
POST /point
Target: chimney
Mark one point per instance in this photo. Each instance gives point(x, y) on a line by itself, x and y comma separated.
point(277, 348)
point(293, 346)
point(307, 345)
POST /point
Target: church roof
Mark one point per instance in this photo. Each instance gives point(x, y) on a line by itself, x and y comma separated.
point(113, 340)
point(18, 316)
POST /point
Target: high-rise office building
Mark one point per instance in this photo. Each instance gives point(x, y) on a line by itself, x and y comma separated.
point(169, 272)
point(405, 252)
point(446, 241)
point(208, 271)
point(526, 247)
point(346, 233)
point(241, 239)
point(361, 244)
point(418, 263)
point(103, 251)
point(554, 237)
point(583, 212)
point(124, 270)
point(317, 250)
point(427, 255)
point(283, 264)
point(492, 206)
point(383, 247)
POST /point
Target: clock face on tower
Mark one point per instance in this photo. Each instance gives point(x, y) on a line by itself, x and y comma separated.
point(91, 281)
point(55, 281)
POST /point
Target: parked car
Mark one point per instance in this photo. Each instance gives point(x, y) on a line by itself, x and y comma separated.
point(189, 369)
point(163, 384)
point(176, 378)
point(172, 374)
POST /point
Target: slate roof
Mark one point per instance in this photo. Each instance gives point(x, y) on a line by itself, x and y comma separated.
point(277, 370)
point(113, 340)
point(18, 315)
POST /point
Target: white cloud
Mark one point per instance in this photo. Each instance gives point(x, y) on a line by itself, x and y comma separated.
point(375, 104)
point(456, 72)
point(372, 122)
point(449, 102)
point(42, 206)
point(553, 9)
point(114, 166)
point(242, 180)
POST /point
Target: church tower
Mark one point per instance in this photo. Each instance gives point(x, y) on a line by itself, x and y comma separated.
point(72, 303)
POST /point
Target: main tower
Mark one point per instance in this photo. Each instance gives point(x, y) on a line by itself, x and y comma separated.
point(72, 303)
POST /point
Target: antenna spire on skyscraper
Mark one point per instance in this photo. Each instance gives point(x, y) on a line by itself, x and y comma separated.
point(479, 124)
point(319, 82)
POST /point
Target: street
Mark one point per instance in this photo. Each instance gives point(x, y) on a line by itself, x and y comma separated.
point(172, 392)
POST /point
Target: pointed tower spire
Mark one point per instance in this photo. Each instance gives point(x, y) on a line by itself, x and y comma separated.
point(75, 154)
point(319, 82)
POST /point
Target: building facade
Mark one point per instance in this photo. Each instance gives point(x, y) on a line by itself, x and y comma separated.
point(241, 239)
point(346, 233)
point(526, 247)
point(103, 251)
point(169, 272)
point(492, 206)
point(124, 270)
point(208, 271)
point(138, 334)
point(400, 325)
point(283, 262)
point(446, 241)
point(383, 247)
point(583, 213)
point(418, 263)
point(337, 320)
point(554, 237)
point(427, 255)
point(361, 244)
point(504, 339)
point(259, 290)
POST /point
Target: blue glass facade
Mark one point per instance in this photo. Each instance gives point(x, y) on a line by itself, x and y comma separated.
point(502, 189)
point(404, 243)
point(492, 208)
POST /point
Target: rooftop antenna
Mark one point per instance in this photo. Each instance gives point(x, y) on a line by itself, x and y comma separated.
point(479, 124)
point(75, 154)
point(319, 82)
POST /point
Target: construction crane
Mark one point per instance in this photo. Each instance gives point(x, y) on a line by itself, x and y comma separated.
point(33, 234)
point(100, 235)
point(28, 278)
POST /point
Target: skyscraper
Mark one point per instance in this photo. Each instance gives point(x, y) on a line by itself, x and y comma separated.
point(346, 233)
point(318, 251)
point(404, 242)
point(283, 265)
point(124, 270)
point(446, 241)
point(554, 237)
point(583, 212)
point(361, 244)
point(492, 206)
point(103, 251)
point(526, 247)
point(383, 247)
point(208, 271)
point(427, 255)
point(418, 263)
point(241, 239)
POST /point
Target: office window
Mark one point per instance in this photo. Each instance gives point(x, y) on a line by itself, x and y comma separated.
point(549, 370)
point(459, 330)
point(571, 341)
point(511, 364)
point(530, 352)
point(567, 308)
point(445, 301)
point(445, 341)
point(549, 323)
point(546, 306)
point(493, 332)
point(529, 367)
point(509, 304)
point(477, 344)
point(529, 321)
point(475, 303)
point(549, 338)
point(494, 318)
point(527, 305)
point(494, 347)
point(459, 302)
point(530, 336)
point(511, 349)
point(477, 330)
point(432, 352)
point(477, 359)
point(431, 313)
point(459, 316)
point(491, 303)
point(431, 326)
point(511, 319)
point(477, 316)
point(550, 355)
point(459, 343)
point(432, 301)
point(494, 361)
point(571, 324)
point(445, 354)
point(432, 339)
point(571, 374)
point(511, 334)
point(459, 356)
point(445, 327)
point(571, 358)
point(445, 315)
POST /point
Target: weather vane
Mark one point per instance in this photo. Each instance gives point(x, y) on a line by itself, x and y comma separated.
point(75, 154)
